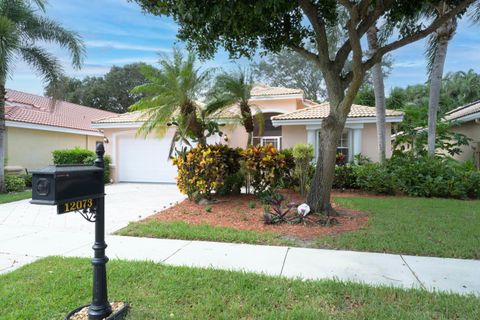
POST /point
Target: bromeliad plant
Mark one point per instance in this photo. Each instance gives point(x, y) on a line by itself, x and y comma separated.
point(204, 169)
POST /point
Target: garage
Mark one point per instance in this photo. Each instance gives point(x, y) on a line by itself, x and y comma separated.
point(145, 160)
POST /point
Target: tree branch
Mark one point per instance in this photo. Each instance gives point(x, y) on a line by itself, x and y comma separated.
point(370, 19)
point(318, 26)
point(306, 53)
point(416, 36)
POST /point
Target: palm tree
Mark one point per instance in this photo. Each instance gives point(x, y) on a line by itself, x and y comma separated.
point(21, 28)
point(437, 53)
point(232, 89)
point(379, 90)
point(170, 96)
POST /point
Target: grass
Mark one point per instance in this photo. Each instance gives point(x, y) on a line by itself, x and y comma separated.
point(15, 196)
point(50, 288)
point(414, 226)
point(187, 231)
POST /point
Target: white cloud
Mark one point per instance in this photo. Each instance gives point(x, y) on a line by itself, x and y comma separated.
point(409, 64)
point(123, 46)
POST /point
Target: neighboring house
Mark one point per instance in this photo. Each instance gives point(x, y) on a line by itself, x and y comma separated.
point(36, 125)
point(468, 118)
point(289, 119)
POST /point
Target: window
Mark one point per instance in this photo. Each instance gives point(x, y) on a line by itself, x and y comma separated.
point(275, 141)
point(343, 144)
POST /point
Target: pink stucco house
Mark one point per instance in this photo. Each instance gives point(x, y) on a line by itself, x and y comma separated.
point(289, 119)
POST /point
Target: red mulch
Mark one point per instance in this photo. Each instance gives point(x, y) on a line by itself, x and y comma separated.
point(234, 212)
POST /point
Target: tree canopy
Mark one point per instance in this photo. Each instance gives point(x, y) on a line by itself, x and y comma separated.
point(111, 91)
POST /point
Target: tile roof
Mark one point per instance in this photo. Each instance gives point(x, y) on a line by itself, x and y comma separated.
point(128, 117)
point(264, 90)
point(463, 111)
point(30, 108)
point(319, 111)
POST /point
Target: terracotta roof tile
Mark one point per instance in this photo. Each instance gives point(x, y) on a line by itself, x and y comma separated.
point(30, 108)
point(264, 90)
point(463, 111)
point(320, 111)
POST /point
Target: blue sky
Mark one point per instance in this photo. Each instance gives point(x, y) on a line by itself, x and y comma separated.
point(116, 32)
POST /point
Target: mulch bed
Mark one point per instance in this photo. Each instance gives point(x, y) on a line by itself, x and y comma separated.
point(235, 212)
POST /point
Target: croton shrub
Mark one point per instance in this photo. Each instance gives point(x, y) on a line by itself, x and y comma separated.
point(265, 166)
point(204, 169)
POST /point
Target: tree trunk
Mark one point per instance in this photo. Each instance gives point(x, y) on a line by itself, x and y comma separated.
point(249, 139)
point(321, 186)
point(247, 120)
point(2, 136)
point(379, 90)
point(444, 34)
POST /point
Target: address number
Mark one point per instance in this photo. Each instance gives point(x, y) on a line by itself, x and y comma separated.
point(76, 205)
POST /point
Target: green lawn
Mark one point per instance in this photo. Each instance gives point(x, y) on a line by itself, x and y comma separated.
point(183, 230)
point(415, 226)
point(15, 196)
point(50, 288)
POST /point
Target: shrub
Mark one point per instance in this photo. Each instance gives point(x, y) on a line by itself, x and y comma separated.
point(204, 169)
point(345, 177)
point(374, 177)
point(27, 177)
point(288, 180)
point(303, 156)
point(265, 166)
point(106, 170)
point(233, 184)
point(72, 156)
point(435, 177)
point(14, 183)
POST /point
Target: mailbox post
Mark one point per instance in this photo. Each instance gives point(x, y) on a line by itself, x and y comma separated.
point(81, 188)
point(100, 307)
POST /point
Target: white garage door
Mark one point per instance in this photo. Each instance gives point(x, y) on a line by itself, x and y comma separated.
point(145, 160)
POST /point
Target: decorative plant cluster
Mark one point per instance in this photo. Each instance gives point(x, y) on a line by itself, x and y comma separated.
point(419, 176)
point(265, 165)
point(276, 211)
point(204, 169)
point(303, 156)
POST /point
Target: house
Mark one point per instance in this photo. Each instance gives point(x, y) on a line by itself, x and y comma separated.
point(36, 125)
point(467, 120)
point(289, 119)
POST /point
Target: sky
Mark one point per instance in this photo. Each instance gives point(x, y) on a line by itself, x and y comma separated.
point(116, 32)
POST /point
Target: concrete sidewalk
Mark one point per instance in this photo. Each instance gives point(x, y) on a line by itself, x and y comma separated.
point(21, 245)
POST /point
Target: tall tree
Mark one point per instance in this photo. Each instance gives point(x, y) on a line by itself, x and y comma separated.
point(289, 69)
point(437, 52)
point(172, 92)
point(111, 91)
point(23, 28)
point(379, 90)
point(230, 89)
point(243, 27)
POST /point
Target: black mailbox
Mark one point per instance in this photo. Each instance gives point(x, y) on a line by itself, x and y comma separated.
point(56, 185)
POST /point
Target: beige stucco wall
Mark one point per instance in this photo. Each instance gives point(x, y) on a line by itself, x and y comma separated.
point(471, 130)
point(292, 135)
point(370, 141)
point(32, 149)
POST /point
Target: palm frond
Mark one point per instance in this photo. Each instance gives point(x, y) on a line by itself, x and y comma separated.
point(9, 42)
point(47, 65)
point(44, 29)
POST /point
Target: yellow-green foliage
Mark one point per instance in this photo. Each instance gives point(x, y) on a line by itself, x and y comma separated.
point(204, 169)
point(265, 165)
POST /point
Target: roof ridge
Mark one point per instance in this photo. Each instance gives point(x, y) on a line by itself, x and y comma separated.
point(462, 107)
point(51, 100)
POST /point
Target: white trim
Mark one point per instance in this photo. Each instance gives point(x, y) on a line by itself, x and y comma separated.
point(33, 126)
point(113, 125)
point(296, 122)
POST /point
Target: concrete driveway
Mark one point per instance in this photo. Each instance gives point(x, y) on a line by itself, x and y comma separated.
point(124, 202)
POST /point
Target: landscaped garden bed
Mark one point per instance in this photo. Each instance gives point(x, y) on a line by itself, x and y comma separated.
point(245, 212)
point(49, 288)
